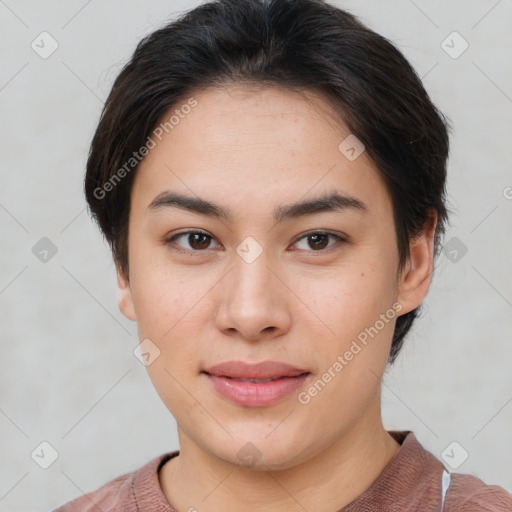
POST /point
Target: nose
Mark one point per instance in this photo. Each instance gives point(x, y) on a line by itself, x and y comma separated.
point(254, 301)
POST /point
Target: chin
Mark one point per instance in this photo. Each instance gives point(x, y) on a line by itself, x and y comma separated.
point(261, 455)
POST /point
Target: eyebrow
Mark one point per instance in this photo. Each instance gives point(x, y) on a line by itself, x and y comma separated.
point(334, 201)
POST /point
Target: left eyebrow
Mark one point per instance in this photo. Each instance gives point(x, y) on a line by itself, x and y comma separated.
point(334, 201)
point(331, 202)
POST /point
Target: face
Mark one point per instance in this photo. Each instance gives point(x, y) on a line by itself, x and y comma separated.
point(315, 286)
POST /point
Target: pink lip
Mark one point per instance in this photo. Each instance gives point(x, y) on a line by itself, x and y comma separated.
point(262, 370)
point(255, 394)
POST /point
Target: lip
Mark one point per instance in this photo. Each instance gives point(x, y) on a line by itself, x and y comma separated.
point(255, 394)
point(261, 370)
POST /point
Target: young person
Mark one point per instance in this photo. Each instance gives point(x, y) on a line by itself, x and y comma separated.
point(271, 178)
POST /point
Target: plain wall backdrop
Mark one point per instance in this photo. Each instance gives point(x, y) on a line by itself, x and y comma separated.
point(68, 375)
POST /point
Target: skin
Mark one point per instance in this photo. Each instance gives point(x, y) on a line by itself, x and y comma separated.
point(250, 150)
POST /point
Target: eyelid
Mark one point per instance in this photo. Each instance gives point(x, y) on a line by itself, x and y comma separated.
point(320, 232)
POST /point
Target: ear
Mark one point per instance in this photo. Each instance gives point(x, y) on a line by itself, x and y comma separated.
point(124, 295)
point(415, 279)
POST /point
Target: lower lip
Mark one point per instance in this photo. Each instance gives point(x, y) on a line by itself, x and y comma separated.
point(253, 394)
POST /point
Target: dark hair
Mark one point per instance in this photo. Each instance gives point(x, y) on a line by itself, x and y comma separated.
point(299, 45)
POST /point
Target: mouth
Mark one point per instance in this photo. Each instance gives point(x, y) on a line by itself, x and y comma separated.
point(249, 391)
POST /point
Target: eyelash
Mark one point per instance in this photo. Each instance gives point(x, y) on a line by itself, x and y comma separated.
point(180, 249)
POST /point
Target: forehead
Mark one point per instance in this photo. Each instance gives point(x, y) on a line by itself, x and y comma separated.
point(252, 115)
point(247, 142)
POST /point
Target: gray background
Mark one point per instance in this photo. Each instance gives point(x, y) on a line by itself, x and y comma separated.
point(68, 375)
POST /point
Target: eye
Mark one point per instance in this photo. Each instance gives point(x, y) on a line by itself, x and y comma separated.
point(318, 240)
point(197, 241)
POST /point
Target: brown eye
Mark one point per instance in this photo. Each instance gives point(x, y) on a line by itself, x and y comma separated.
point(197, 241)
point(318, 241)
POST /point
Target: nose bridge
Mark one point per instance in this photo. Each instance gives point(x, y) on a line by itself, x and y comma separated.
point(251, 274)
point(252, 302)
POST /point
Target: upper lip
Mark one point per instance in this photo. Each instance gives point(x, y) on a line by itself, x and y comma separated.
point(262, 370)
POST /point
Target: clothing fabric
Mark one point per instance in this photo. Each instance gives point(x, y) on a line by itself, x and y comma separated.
point(414, 480)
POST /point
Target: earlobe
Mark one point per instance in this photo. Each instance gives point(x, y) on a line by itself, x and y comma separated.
point(416, 277)
point(124, 296)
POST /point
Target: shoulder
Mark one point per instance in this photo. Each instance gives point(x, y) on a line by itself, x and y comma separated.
point(120, 493)
point(423, 481)
point(107, 498)
point(470, 494)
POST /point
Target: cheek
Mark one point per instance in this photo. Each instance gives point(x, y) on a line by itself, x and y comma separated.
point(171, 301)
point(355, 340)
point(350, 298)
point(170, 307)
point(173, 304)
point(165, 303)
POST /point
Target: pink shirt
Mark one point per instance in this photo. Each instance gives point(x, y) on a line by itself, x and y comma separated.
point(413, 481)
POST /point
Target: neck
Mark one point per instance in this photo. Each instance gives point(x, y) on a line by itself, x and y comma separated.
point(327, 481)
